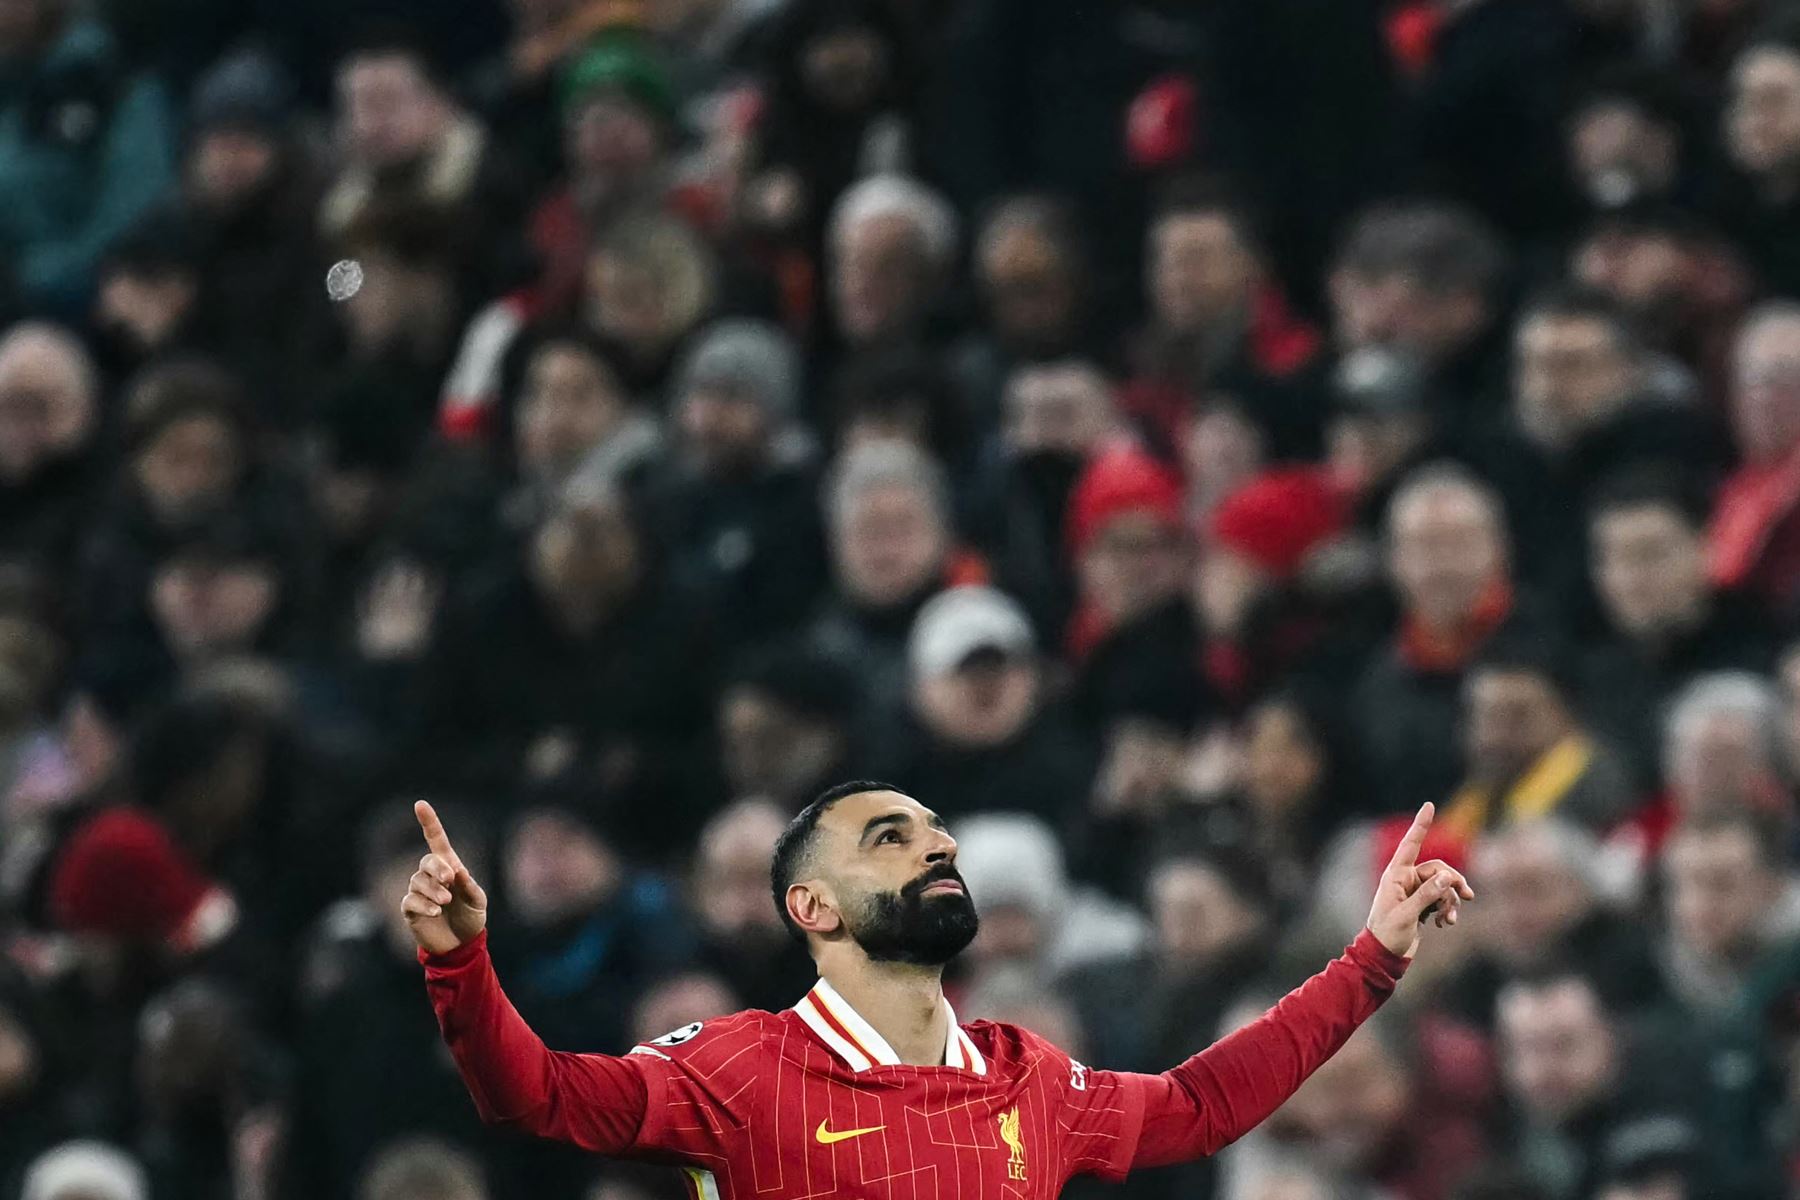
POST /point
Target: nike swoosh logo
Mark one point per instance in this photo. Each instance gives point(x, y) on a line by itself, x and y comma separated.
point(827, 1137)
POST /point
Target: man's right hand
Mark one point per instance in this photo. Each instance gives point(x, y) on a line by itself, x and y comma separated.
point(444, 905)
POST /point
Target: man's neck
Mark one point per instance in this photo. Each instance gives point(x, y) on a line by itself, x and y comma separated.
point(904, 1003)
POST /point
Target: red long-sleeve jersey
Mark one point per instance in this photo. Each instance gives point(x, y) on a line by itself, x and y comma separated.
point(812, 1102)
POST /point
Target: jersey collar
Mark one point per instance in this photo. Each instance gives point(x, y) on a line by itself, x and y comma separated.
point(854, 1040)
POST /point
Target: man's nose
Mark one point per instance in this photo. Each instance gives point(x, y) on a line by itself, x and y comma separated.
point(943, 850)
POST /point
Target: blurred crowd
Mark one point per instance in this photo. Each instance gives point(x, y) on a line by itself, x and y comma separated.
point(1172, 439)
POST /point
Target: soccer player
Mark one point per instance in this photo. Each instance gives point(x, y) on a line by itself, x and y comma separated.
point(868, 1086)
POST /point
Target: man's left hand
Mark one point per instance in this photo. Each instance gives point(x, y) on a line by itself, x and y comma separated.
point(1412, 892)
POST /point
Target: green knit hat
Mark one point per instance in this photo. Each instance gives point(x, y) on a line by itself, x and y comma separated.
point(621, 62)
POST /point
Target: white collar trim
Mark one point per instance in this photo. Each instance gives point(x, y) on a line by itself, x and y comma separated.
point(859, 1044)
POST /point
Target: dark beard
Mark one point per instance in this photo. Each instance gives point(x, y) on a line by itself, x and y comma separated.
point(909, 927)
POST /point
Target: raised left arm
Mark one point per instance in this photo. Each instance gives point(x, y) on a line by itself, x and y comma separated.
point(1226, 1090)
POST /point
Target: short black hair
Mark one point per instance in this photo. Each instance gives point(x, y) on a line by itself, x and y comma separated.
point(1205, 195)
point(180, 389)
point(1231, 858)
point(1444, 247)
point(796, 841)
point(1578, 302)
point(1521, 653)
point(800, 679)
point(1649, 486)
point(1560, 970)
point(378, 39)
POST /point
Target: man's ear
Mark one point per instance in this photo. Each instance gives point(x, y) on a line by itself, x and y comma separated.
point(813, 907)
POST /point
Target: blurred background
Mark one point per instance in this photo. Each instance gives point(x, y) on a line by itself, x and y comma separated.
point(1172, 438)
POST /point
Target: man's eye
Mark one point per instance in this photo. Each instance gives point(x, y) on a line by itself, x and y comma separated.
point(891, 835)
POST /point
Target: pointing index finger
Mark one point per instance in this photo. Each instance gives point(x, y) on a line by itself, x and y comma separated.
point(435, 837)
point(1406, 854)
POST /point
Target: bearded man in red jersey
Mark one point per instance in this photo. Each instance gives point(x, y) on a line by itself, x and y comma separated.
point(869, 1086)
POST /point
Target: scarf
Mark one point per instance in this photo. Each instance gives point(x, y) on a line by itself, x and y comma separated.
point(1441, 652)
point(1751, 504)
point(1536, 793)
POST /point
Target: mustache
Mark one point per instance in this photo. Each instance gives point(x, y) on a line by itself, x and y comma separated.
point(939, 874)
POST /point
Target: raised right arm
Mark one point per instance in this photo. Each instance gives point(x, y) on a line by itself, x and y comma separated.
point(595, 1101)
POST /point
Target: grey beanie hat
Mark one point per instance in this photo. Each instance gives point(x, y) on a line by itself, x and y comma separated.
point(751, 357)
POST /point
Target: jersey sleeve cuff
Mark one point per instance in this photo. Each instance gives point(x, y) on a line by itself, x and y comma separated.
point(1381, 965)
point(470, 951)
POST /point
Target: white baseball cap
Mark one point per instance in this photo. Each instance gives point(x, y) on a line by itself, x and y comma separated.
point(958, 622)
point(85, 1168)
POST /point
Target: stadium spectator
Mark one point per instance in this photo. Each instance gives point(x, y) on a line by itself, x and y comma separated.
point(575, 425)
point(1626, 140)
point(741, 936)
point(741, 519)
point(49, 470)
point(401, 322)
point(1725, 905)
point(1582, 409)
point(1664, 621)
point(1216, 313)
point(1762, 138)
point(1683, 285)
point(1353, 1115)
point(1426, 279)
point(1030, 266)
point(620, 127)
point(358, 1031)
point(1721, 744)
point(86, 147)
point(248, 193)
point(1249, 616)
point(1055, 415)
point(1447, 553)
point(785, 725)
point(564, 663)
point(1211, 912)
point(1123, 529)
point(1576, 1076)
point(192, 455)
point(1553, 889)
point(650, 284)
point(888, 521)
point(1042, 923)
point(406, 143)
point(147, 295)
point(1753, 527)
point(893, 244)
point(982, 730)
point(195, 1082)
point(1526, 751)
point(586, 931)
point(840, 81)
